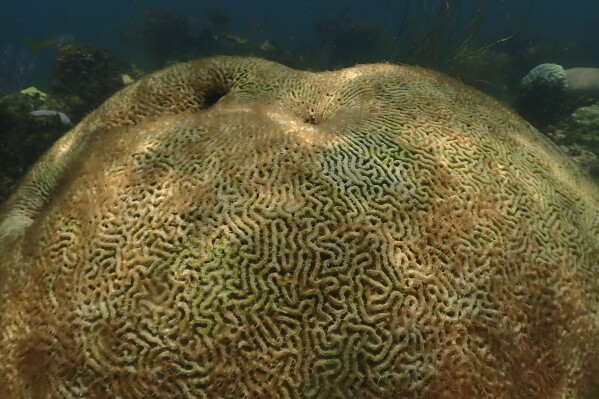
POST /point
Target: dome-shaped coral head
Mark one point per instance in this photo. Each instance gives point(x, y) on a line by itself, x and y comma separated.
point(232, 228)
point(550, 77)
point(543, 94)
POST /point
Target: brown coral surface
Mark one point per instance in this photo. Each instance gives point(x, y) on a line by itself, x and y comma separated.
point(232, 228)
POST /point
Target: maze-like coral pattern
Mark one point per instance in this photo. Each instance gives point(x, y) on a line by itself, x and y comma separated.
point(231, 228)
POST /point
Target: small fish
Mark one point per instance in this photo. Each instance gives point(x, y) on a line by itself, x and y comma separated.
point(64, 119)
point(57, 40)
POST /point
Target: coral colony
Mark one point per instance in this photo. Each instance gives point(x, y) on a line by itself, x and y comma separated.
point(232, 227)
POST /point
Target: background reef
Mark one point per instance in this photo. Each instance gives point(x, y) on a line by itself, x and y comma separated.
point(80, 54)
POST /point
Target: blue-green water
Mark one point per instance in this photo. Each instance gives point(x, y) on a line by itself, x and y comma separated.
point(566, 26)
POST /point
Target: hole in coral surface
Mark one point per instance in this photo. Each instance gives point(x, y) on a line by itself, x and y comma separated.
point(212, 96)
point(310, 119)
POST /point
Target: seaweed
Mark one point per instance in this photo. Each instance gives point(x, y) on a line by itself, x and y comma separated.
point(441, 32)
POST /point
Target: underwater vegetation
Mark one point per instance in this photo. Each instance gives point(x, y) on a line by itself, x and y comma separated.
point(436, 33)
point(232, 227)
point(424, 33)
point(339, 38)
point(164, 36)
point(16, 65)
point(171, 36)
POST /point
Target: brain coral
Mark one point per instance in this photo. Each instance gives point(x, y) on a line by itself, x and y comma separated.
point(232, 228)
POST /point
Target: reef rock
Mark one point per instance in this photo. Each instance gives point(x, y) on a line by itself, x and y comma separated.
point(25, 137)
point(234, 228)
point(578, 135)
